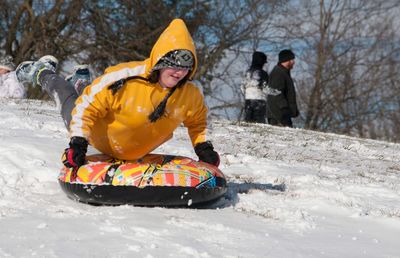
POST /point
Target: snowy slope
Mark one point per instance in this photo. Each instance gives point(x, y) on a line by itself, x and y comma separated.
point(292, 193)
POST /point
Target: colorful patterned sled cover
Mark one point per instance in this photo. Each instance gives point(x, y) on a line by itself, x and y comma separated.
point(153, 180)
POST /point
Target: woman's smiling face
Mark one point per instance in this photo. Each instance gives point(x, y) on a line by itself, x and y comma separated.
point(169, 77)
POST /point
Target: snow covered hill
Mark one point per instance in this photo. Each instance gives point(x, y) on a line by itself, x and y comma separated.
point(292, 193)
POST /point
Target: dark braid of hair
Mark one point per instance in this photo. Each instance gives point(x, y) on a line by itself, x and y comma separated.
point(159, 110)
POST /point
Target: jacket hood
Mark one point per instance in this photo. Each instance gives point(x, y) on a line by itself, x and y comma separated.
point(175, 36)
point(259, 59)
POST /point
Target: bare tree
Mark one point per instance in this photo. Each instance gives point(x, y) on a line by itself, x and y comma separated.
point(346, 46)
point(126, 30)
point(232, 31)
point(35, 28)
point(31, 29)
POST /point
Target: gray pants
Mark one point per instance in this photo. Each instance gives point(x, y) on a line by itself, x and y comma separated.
point(62, 92)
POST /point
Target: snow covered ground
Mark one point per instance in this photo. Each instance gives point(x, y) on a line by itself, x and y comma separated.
point(292, 193)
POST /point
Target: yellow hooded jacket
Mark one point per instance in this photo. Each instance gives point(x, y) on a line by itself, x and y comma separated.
point(118, 124)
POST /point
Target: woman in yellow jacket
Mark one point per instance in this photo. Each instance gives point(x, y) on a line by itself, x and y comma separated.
point(135, 106)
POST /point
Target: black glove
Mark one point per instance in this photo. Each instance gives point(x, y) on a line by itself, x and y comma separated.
point(205, 152)
point(75, 155)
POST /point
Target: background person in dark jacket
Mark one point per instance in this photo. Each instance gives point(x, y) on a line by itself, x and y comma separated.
point(282, 107)
point(254, 88)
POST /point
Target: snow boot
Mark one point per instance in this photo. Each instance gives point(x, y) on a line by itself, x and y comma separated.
point(80, 78)
point(29, 71)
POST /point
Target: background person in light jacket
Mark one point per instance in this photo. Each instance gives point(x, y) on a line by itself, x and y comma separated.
point(254, 86)
point(10, 87)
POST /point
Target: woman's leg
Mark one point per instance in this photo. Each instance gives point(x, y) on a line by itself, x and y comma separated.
point(61, 91)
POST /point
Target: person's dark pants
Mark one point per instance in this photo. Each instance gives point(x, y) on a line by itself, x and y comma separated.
point(62, 93)
point(285, 121)
point(255, 110)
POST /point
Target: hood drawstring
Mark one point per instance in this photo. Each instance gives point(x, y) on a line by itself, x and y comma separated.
point(116, 86)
